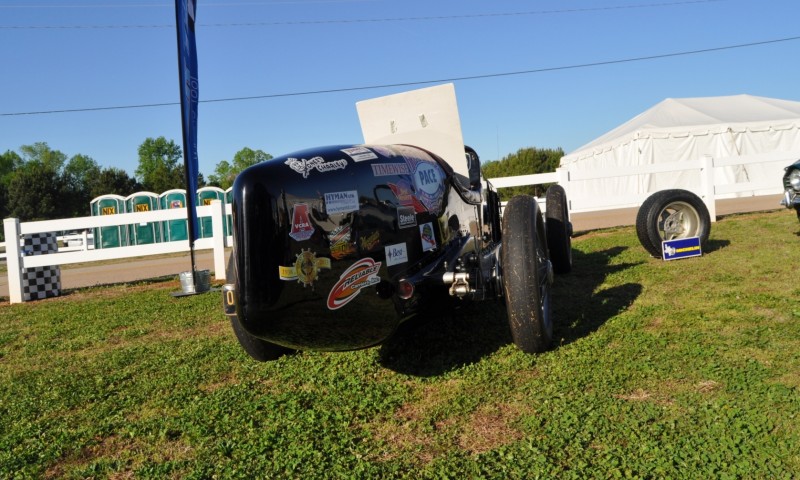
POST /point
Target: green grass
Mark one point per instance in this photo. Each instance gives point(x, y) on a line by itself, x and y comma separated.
point(683, 369)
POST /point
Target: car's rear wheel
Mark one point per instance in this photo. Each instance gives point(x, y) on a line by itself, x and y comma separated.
point(671, 215)
point(559, 229)
point(258, 349)
point(526, 275)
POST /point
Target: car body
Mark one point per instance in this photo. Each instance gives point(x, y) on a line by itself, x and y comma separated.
point(791, 186)
point(334, 247)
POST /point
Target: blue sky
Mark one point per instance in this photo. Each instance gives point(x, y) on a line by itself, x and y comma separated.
point(310, 45)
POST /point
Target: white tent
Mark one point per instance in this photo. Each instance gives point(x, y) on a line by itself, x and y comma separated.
point(687, 129)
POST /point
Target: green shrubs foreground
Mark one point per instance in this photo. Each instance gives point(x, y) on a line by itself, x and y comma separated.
point(684, 369)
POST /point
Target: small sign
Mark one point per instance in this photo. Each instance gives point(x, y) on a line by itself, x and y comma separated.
point(681, 248)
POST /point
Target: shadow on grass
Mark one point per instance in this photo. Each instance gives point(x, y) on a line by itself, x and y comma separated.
point(436, 343)
point(714, 245)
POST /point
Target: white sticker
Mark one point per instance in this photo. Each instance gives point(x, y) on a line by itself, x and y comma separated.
point(359, 154)
point(396, 254)
point(341, 202)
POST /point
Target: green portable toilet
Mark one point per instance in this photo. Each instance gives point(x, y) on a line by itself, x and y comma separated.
point(143, 233)
point(173, 230)
point(114, 235)
point(205, 196)
point(228, 216)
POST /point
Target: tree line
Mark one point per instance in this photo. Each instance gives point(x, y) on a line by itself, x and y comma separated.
point(40, 183)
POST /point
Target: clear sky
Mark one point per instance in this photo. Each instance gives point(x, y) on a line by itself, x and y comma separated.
point(84, 54)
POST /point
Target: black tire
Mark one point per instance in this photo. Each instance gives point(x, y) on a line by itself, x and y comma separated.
point(671, 215)
point(526, 275)
point(559, 229)
point(257, 348)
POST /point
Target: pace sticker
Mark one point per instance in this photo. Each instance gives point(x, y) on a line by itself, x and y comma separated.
point(429, 180)
point(301, 224)
point(305, 166)
point(360, 154)
point(427, 236)
point(341, 202)
point(360, 275)
point(396, 254)
point(305, 269)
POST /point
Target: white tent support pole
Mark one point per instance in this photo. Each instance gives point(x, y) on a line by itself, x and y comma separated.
point(707, 185)
point(563, 180)
point(13, 259)
point(217, 226)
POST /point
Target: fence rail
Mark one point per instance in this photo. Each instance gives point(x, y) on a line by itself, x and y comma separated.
point(771, 164)
point(17, 261)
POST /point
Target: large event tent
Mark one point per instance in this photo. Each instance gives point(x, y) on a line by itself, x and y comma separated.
point(686, 129)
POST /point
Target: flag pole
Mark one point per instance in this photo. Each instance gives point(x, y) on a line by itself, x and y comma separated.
point(187, 74)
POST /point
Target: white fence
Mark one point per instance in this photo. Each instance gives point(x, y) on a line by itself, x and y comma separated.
point(705, 166)
point(771, 163)
point(16, 262)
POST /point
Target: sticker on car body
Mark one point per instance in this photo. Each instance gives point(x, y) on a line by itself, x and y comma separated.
point(396, 254)
point(359, 154)
point(341, 202)
point(427, 237)
point(305, 269)
point(301, 224)
point(306, 166)
point(389, 169)
point(360, 275)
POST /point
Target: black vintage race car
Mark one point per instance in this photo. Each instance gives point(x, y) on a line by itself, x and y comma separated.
point(334, 247)
point(791, 187)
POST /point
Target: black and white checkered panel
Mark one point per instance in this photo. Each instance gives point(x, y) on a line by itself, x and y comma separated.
point(40, 282)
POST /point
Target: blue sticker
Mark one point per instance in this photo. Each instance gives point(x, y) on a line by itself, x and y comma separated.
point(681, 248)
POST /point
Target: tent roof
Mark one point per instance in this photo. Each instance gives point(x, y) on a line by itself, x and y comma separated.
point(685, 113)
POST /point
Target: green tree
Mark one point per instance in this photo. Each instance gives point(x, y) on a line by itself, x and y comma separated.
point(78, 175)
point(10, 161)
point(112, 180)
point(36, 192)
point(40, 152)
point(225, 173)
point(525, 161)
point(159, 168)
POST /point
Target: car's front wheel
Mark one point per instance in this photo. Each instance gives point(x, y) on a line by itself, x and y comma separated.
point(526, 275)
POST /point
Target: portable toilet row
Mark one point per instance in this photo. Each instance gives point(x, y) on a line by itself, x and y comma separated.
point(152, 232)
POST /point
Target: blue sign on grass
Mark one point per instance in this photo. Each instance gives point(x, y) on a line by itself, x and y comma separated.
point(681, 248)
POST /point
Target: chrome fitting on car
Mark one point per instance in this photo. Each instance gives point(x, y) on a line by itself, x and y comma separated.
point(459, 283)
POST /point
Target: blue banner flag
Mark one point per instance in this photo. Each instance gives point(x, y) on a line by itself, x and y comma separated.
point(187, 70)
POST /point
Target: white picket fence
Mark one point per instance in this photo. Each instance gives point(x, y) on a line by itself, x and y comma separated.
point(16, 261)
point(709, 192)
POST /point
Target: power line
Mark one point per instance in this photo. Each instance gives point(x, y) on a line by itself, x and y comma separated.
point(422, 82)
point(371, 20)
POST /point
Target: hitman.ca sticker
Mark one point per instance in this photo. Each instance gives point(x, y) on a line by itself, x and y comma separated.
point(341, 202)
point(360, 275)
point(305, 269)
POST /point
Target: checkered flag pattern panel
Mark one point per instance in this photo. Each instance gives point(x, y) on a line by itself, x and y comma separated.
point(40, 282)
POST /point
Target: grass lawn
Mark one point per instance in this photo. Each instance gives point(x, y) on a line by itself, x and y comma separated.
point(683, 369)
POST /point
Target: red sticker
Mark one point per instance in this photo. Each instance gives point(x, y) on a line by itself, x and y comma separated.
point(360, 275)
point(301, 225)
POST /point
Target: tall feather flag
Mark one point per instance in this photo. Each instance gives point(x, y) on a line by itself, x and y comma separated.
point(187, 69)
